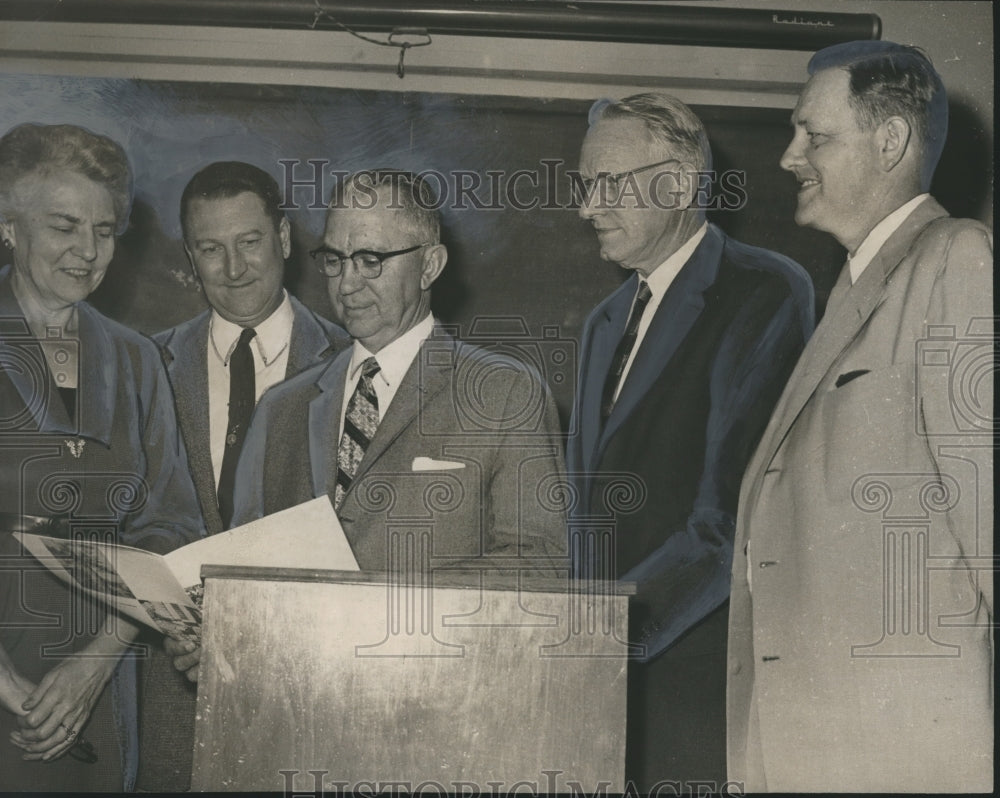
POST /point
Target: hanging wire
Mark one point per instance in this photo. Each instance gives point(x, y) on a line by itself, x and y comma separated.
point(322, 13)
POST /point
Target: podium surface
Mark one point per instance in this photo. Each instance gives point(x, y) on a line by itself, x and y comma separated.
point(331, 680)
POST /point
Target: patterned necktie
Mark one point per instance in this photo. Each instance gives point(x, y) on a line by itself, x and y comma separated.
point(360, 422)
point(242, 397)
point(624, 349)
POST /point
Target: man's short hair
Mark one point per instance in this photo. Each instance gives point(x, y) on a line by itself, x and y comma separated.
point(226, 179)
point(889, 79)
point(400, 190)
point(668, 120)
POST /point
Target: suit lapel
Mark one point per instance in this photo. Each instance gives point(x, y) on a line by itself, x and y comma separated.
point(98, 377)
point(324, 424)
point(847, 314)
point(309, 343)
point(187, 355)
point(677, 313)
point(607, 329)
point(421, 382)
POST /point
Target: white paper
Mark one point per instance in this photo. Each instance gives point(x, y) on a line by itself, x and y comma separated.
point(165, 591)
point(308, 535)
point(136, 582)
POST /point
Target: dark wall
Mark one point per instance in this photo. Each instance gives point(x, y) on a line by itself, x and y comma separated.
point(533, 274)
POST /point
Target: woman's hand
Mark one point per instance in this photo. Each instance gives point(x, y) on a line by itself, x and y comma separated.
point(57, 710)
point(61, 704)
point(14, 688)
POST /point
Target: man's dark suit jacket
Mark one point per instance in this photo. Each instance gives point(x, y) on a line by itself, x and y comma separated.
point(167, 714)
point(699, 393)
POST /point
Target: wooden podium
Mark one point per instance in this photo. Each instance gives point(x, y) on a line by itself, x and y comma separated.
point(330, 680)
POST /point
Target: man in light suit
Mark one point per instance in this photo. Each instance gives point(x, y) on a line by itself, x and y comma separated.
point(679, 370)
point(409, 423)
point(237, 239)
point(860, 640)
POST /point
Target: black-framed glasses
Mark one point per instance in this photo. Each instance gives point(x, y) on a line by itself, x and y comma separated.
point(583, 187)
point(368, 262)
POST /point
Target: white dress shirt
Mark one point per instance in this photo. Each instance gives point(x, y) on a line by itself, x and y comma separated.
point(659, 281)
point(879, 234)
point(270, 359)
point(394, 360)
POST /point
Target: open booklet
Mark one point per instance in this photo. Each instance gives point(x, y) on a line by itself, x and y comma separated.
point(165, 591)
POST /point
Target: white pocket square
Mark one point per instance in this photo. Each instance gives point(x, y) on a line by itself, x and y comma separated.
point(430, 464)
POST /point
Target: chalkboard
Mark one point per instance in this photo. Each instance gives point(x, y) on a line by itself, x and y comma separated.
point(521, 262)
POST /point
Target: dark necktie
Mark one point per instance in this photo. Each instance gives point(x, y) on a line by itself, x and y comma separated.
point(360, 423)
point(624, 349)
point(242, 397)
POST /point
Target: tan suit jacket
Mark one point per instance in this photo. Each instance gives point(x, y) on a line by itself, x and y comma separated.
point(860, 650)
point(485, 427)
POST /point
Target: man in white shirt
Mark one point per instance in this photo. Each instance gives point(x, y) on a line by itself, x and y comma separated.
point(237, 239)
point(860, 623)
point(679, 370)
point(409, 423)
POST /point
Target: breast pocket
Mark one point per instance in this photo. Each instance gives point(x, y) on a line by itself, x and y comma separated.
point(867, 423)
point(888, 382)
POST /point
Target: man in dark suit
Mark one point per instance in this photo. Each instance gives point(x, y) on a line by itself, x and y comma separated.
point(409, 422)
point(862, 603)
point(680, 368)
point(237, 239)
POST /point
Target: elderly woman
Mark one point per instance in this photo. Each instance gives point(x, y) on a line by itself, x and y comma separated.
point(88, 434)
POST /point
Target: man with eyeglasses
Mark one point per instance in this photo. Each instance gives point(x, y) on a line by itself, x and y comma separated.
point(409, 421)
point(253, 335)
point(680, 368)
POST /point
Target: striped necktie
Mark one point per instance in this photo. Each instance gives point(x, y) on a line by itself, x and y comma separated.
point(624, 349)
point(360, 422)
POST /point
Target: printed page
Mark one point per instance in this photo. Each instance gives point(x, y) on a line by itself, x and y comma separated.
point(165, 592)
point(138, 583)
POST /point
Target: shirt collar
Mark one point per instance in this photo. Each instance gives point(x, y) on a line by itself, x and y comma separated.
point(879, 234)
point(662, 276)
point(395, 358)
point(273, 334)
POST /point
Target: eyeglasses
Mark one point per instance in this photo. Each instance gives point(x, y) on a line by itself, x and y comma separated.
point(368, 262)
point(583, 187)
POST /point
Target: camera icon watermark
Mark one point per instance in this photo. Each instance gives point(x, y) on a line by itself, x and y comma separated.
point(958, 367)
point(33, 365)
point(492, 391)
